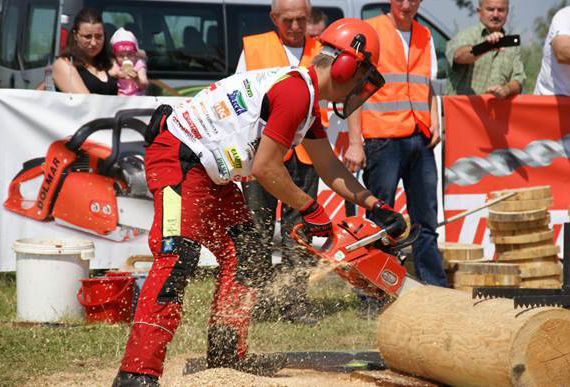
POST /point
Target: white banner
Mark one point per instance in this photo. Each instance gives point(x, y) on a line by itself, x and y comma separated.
point(33, 120)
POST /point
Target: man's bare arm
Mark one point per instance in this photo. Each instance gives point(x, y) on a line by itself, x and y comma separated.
point(561, 48)
point(270, 172)
point(335, 175)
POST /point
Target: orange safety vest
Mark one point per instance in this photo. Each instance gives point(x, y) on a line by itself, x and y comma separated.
point(403, 103)
point(265, 51)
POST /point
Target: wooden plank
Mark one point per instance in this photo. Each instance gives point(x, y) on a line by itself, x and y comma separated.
point(550, 282)
point(522, 205)
point(528, 253)
point(528, 193)
point(461, 251)
point(522, 216)
point(524, 238)
point(515, 226)
point(540, 267)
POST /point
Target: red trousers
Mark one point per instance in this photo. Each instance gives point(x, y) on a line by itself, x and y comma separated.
point(190, 210)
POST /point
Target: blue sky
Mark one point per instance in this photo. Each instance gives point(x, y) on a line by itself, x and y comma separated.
point(520, 19)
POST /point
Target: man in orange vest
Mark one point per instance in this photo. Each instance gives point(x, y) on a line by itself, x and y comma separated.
point(400, 126)
point(289, 45)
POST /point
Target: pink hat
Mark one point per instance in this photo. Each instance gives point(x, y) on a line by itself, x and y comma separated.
point(123, 40)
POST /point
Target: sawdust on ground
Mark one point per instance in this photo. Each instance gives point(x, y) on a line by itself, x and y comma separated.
point(212, 378)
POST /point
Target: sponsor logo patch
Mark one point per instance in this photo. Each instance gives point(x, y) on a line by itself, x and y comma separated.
point(193, 127)
point(247, 86)
point(222, 110)
point(237, 101)
point(167, 245)
point(232, 155)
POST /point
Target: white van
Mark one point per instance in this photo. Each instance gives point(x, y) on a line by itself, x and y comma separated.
point(188, 43)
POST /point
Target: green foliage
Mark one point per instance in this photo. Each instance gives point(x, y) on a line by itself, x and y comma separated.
point(542, 24)
point(532, 59)
point(467, 4)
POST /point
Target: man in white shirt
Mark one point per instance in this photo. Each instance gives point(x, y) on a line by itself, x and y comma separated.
point(554, 76)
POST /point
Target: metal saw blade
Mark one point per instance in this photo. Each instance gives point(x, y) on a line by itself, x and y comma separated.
point(135, 212)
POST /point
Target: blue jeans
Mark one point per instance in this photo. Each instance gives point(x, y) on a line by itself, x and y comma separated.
point(409, 158)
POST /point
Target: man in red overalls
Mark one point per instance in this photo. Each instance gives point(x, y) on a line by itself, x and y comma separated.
point(237, 129)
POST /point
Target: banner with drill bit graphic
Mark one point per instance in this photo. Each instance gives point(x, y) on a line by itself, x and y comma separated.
point(493, 144)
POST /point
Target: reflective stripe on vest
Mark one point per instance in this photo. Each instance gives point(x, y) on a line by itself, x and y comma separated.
point(265, 51)
point(403, 103)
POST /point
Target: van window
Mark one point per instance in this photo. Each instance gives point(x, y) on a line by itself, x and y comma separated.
point(439, 39)
point(9, 34)
point(40, 35)
point(180, 40)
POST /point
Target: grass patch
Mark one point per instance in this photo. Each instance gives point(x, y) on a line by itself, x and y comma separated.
point(29, 351)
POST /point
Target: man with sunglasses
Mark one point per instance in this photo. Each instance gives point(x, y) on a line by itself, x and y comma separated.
point(400, 126)
point(238, 129)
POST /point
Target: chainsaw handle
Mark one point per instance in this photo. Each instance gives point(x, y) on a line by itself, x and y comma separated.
point(295, 235)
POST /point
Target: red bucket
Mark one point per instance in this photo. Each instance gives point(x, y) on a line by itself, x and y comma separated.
point(107, 299)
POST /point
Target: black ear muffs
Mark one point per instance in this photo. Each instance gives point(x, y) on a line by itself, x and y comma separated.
point(344, 67)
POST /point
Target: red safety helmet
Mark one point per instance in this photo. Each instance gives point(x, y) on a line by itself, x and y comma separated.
point(357, 46)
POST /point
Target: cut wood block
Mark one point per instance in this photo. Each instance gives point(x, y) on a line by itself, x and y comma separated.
point(502, 247)
point(530, 193)
point(461, 251)
point(484, 267)
point(516, 226)
point(470, 279)
point(522, 216)
point(528, 253)
point(550, 282)
point(524, 238)
point(540, 267)
point(522, 205)
point(502, 233)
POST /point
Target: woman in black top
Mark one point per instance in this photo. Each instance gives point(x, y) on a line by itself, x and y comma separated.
point(83, 67)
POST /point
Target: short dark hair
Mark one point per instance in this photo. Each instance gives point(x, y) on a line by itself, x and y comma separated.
point(101, 61)
point(317, 15)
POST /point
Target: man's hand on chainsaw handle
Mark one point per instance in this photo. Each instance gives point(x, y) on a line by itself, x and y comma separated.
point(384, 216)
point(315, 220)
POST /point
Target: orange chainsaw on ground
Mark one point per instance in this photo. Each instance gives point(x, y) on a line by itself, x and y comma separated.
point(365, 255)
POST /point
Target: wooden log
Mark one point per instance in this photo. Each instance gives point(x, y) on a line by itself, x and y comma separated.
point(483, 280)
point(461, 251)
point(446, 336)
point(522, 205)
point(519, 232)
point(521, 216)
point(516, 226)
point(547, 235)
point(528, 253)
point(529, 193)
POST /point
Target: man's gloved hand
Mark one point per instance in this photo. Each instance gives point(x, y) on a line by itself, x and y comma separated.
point(384, 216)
point(315, 220)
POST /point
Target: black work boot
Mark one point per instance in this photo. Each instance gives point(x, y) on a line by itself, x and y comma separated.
point(130, 379)
point(222, 353)
point(262, 364)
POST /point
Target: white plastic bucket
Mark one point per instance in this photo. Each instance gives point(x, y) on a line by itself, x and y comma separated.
point(48, 273)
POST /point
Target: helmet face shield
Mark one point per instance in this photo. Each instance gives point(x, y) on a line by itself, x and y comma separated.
point(369, 84)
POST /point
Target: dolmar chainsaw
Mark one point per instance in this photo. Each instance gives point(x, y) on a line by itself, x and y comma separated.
point(365, 255)
point(89, 186)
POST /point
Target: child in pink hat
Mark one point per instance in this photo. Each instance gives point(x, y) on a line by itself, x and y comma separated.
point(128, 67)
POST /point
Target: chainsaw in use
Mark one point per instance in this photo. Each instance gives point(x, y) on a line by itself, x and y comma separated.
point(365, 255)
point(89, 186)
